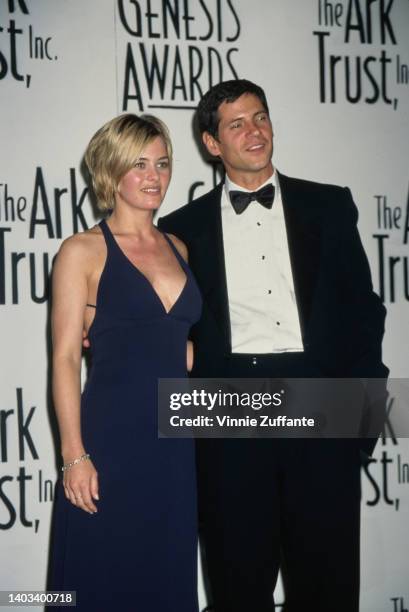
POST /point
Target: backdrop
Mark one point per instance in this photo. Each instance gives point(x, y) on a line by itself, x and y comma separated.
point(336, 75)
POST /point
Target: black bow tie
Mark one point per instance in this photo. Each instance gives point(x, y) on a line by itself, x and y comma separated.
point(241, 199)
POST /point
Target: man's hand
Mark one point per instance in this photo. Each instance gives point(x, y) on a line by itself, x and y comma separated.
point(189, 356)
point(85, 340)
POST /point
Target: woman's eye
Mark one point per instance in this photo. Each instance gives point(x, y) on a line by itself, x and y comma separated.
point(163, 164)
point(140, 165)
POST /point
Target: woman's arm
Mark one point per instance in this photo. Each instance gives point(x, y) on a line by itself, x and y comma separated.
point(70, 292)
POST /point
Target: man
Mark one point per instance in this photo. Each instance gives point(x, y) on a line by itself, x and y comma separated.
point(287, 293)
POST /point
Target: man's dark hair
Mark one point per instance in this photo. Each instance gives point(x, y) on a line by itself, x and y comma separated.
point(226, 91)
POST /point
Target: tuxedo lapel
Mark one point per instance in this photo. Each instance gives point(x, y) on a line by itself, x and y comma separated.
point(303, 243)
point(210, 267)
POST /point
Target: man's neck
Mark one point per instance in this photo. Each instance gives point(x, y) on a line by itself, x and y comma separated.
point(251, 182)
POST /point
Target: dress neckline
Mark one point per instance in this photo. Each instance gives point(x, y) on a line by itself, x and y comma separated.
point(103, 224)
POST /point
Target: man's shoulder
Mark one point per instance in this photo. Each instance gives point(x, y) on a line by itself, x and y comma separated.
point(310, 186)
point(318, 199)
point(194, 211)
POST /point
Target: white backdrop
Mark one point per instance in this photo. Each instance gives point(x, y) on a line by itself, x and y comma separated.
point(336, 76)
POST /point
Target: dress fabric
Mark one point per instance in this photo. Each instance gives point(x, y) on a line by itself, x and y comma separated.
point(139, 551)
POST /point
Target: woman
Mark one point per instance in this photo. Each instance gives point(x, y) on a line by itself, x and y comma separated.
point(125, 530)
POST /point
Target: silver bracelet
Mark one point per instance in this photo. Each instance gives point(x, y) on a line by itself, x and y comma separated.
point(69, 465)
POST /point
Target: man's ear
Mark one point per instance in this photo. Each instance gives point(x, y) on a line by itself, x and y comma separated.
point(211, 144)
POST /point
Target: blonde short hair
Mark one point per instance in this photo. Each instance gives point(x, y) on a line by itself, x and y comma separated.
point(115, 148)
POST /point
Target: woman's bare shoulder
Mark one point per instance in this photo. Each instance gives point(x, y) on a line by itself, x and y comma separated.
point(82, 246)
point(180, 245)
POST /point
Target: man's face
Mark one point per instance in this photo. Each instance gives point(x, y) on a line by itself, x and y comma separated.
point(245, 140)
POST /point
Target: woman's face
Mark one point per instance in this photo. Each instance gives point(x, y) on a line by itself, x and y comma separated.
point(145, 185)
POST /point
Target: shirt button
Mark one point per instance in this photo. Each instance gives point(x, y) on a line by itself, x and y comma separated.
point(258, 223)
point(263, 257)
point(277, 322)
point(269, 291)
point(254, 361)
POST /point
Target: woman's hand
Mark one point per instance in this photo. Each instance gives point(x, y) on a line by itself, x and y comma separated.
point(81, 485)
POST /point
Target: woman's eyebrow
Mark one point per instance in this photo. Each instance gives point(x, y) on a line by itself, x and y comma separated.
point(147, 158)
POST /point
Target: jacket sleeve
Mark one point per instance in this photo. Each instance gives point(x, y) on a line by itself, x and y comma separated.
point(368, 317)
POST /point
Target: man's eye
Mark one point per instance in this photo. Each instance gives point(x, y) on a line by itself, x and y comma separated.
point(261, 117)
point(235, 125)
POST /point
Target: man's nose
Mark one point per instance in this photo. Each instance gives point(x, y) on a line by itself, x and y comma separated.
point(254, 128)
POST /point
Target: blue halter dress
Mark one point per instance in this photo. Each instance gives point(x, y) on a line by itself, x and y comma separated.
point(138, 553)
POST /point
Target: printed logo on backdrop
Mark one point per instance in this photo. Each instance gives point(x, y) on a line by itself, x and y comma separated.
point(387, 472)
point(21, 42)
point(398, 604)
point(392, 238)
point(47, 213)
point(172, 52)
point(21, 488)
point(378, 73)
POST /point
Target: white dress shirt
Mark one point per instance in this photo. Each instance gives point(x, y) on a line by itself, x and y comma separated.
point(263, 311)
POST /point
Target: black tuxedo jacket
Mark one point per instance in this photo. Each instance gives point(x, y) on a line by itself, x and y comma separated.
point(342, 319)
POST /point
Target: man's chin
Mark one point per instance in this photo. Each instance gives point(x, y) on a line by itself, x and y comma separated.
point(260, 166)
